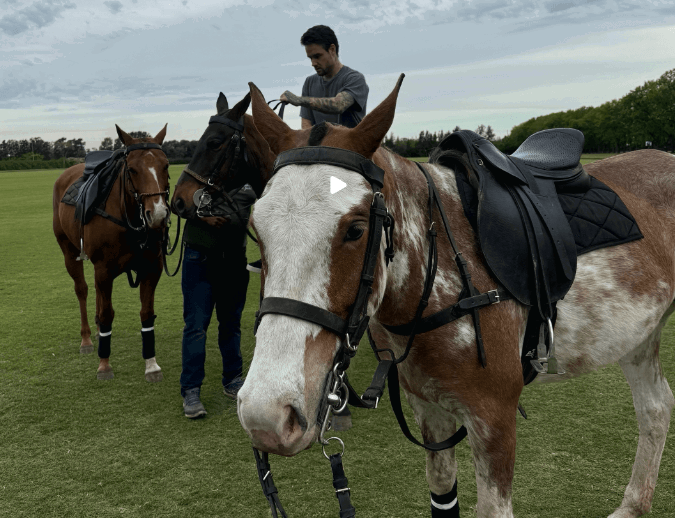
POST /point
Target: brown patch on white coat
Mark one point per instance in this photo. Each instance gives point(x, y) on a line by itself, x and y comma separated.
point(442, 378)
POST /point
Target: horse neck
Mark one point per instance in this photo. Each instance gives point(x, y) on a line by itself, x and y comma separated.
point(407, 198)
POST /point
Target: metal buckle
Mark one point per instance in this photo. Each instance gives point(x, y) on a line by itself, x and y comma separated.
point(495, 296)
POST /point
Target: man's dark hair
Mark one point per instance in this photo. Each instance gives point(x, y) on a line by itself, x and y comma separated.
point(321, 35)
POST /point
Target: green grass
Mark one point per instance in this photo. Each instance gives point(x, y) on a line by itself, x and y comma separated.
point(74, 446)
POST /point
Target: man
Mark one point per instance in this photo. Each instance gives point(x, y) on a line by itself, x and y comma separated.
point(214, 275)
point(336, 93)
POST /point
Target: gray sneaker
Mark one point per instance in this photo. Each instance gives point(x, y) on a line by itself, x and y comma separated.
point(192, 405)
point(232, 388)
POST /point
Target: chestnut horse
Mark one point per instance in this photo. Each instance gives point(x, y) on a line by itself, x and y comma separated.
point(313, 244)
point(230, 153)
point(138, 200)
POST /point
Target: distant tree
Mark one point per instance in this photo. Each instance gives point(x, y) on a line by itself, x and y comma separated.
point(489, 133)
point(106, 143)
point(457, 128)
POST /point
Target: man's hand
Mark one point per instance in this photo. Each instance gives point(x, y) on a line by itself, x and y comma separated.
point(290, 97)
point(215, 221)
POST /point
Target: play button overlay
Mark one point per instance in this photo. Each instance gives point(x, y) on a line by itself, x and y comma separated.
point(336, 185)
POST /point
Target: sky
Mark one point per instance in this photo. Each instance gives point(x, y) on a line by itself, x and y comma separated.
point(75, 68)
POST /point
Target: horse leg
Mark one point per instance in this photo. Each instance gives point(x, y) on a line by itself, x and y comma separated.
point(492, 436)
point(153, 372)
point(653, 401)
point(76, 271)
point(105, 316)
point(437, 425)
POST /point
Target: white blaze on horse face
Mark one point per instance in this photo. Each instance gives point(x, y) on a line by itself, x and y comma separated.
point(296, 219)
point(159, 210)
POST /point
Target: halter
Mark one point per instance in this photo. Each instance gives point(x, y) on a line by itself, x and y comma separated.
point(351, 330)
point(239, 141)
point(138, 197)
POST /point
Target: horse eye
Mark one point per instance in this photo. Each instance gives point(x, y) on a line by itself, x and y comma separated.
point(214, 144)
point(132, 170)
point(354, 232)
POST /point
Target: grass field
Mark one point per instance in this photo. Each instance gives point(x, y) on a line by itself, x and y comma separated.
point(74, 446)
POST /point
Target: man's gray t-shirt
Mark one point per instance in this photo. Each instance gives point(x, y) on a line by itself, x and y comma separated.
point(346, 80)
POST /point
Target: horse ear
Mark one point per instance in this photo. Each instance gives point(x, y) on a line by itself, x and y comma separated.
point(159, 138)
point(126, 139)
point(221, 104)
point(368, 134)
point(239, 109)
point(275, 131)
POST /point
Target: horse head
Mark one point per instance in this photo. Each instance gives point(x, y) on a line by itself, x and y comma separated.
point(230, 153)
point(313, 239)
point(148, 175)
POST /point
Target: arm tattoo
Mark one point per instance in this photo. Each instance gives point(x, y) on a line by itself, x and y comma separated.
point(337, 104)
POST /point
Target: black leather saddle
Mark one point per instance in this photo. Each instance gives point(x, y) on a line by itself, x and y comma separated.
point(101, 169)
point(523, 233)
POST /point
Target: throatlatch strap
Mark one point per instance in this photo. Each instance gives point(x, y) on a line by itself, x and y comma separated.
point(268, 487)
point(340, 484)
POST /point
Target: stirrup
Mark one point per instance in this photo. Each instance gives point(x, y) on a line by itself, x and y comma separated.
point(546, 362)
point(82, 256)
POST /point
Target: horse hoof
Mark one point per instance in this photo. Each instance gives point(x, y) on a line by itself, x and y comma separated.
point(86, 349)
point(154, 377)
point(105, 375)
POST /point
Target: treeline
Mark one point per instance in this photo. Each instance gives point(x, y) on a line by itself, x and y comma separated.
point(426, 141)
point(36, 153)
point(645, 117)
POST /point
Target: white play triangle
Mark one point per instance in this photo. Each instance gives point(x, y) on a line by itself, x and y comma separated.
point(336, 185)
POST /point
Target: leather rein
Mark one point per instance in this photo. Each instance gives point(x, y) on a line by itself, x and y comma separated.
point(339, 390)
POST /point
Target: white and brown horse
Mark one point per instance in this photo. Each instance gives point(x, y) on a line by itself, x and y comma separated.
point(139, 213)
point(313, 244)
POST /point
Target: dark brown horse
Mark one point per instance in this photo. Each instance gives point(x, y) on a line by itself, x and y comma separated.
point(132, 243)
point(230, 153)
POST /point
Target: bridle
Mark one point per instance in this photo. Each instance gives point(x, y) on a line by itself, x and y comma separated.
point(350, 331)
point(131, 188)
point(201, 197)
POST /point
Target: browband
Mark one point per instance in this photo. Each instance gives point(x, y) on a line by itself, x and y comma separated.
point(228, 122)
point(332, 156)
point(142, 145)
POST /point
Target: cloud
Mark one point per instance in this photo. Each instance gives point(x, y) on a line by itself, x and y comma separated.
point(115, 6)
point(37, 15)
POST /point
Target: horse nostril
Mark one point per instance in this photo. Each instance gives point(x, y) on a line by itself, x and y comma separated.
point(179, 204)
point(148, 215)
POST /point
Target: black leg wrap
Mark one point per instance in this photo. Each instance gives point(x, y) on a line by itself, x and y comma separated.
point(341, 488)
point(445, 506)
point(148, 336)
point(104, 336)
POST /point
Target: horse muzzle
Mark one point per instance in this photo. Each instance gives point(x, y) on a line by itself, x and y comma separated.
point(275, 427)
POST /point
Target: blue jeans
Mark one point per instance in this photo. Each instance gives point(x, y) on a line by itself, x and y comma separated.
point(208, 282)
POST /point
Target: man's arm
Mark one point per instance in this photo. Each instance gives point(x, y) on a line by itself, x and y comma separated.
point(337, 104)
